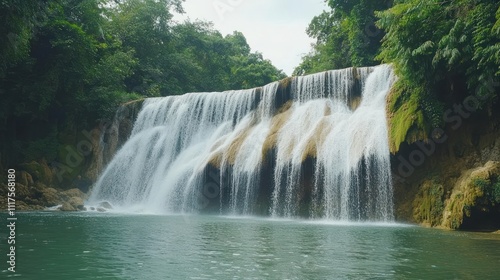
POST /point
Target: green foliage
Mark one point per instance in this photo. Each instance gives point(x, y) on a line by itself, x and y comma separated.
point(18, 20)
point(482, 184)
point(496, 192)
point(253, 70)
point(429, 204)
point(178, 58)
point(46, 147)
point(66, 64)
point(442, 52)
point(406, 117)
point(435, 46)
point(345, 36)
point(490, 190)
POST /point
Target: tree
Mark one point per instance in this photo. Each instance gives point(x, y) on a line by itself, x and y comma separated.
point(252, 71)
point(442, 53)
point(66, 64)
point(345, 36)
point(145, 27)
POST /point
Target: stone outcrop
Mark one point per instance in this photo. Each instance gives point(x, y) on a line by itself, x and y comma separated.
point(40, 184)
point(452, 183)
point(475, 198)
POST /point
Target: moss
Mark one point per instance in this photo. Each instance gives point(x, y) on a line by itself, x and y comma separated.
point(490, 189)
point(476, 190)
point(43, 147)
point(428, 206)
point(496, 192)
point(406, 119)
point(463, 201)
point(481, 183)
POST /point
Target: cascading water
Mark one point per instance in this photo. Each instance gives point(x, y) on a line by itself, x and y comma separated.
point(248, 151)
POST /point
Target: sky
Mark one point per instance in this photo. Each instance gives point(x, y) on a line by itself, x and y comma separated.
point(276, 28)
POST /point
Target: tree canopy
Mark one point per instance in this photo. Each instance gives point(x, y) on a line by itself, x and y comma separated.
point(65, 64)
point(442, 52)
point(346, 35)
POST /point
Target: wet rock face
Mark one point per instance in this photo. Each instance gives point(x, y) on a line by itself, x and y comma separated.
point(428, 205)
point(453, 184)
point(38, 184)
point(474, 202)
point(38, 197)
point(107, 138)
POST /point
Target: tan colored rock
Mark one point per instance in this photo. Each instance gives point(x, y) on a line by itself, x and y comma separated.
point(466, 193)
point(487, 171)
point(66, 195)
point(22, 206)
point(67, 207)
point(40, 186)
point(40, 171)
point(50, 197)
point(25, 178)
point(76, 202)
point(277, 122)
point(428, 204)
point(22, 191)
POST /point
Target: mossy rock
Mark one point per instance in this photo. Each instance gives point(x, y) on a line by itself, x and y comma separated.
point(39, 171)
point(406, 120)
point(67, 207)
point(428, 205)
point(475, 188)
point(76, 202)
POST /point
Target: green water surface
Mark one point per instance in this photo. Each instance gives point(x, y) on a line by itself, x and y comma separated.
point(54, 245)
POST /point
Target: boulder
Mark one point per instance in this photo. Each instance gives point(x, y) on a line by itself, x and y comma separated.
point(39, 171)
point(67, 207)
point(25, 178)
point(22, 191)
point(76, 203)
point(469, 192)
point(66, 195)
point(105, 205)
point(50, 197)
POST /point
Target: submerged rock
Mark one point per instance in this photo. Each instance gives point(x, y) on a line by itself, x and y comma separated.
point(105, 205)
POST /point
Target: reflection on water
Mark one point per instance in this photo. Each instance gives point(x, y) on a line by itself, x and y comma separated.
point(84, 245)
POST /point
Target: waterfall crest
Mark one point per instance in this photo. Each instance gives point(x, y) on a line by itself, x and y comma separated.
point(314, 146)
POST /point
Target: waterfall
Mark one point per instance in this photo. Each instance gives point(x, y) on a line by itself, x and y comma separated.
point(308, 146)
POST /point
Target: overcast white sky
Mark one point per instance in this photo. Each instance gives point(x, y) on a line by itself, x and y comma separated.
point(276, 28)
